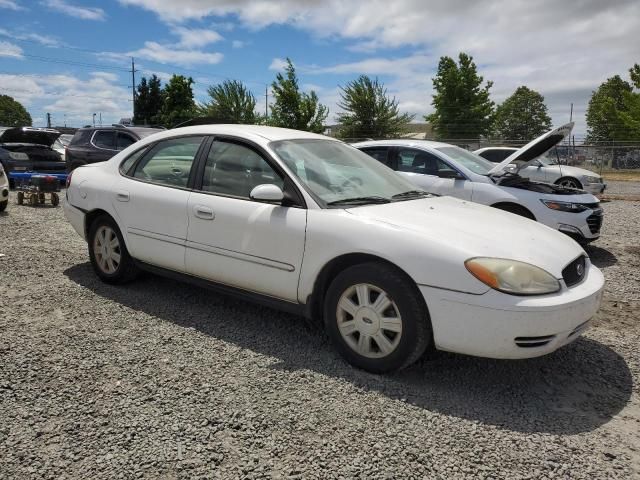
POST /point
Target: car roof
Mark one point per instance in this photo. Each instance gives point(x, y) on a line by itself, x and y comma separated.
point(403, 142)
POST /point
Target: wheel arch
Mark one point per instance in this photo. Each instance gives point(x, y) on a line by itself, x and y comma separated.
point(510, 206)
point(338, 264)
point(569, 177)
point(91, 217)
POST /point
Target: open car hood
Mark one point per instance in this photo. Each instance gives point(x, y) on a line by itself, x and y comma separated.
point(40, 136)
point(532, 150)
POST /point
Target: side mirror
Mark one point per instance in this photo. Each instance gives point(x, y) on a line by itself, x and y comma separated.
point(450, 174)
point(267, 193)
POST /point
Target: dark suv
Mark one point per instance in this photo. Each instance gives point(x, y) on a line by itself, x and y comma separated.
point(97, 144)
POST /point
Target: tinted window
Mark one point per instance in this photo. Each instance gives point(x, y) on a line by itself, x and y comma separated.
point(379, 153)
point(81, 137)
point(234, 169)
point(169, 162)
point(104, 139)
point(419, 161)
point(124, 140)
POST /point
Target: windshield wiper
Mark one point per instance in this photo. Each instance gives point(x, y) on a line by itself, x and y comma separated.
point(410, 195)
point(360, 200)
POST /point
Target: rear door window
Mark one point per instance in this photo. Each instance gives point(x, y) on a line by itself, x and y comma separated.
point(104, 139)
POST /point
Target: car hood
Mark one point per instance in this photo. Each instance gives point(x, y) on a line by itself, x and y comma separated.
point(477, 231)
point(39, 136)
point(531, 151)
point(577, 172)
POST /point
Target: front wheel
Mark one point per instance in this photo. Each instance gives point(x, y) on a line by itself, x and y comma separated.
point(3, 205)
point(108, 253)
point(377, 318)
point(569, 182)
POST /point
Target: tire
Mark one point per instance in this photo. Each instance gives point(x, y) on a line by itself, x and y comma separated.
point(113, 264)
point(55, 199)
point(20, 198)
point(33, 199)
point(408, 335)
point(3, 205)
point(569, 182)
point(515, 209)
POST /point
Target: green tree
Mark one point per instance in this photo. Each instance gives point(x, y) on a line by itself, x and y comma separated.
point(369, 112)
point(230, 102)
point(149, 100)
point(178, 105)
point(462, 105)
point(605, 113)
point(12, 113)
point(522, 116)
point(634, 72)
point(294, 109)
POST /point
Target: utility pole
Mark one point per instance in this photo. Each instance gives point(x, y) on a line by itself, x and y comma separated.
point(571, 114)
point(100, 118)
point(133, 87)
point(48, 120)
point(266, 100)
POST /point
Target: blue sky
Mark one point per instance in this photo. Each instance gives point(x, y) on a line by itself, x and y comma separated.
point(70, 57)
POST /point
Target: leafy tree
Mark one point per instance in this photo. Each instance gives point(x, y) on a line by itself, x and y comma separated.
point(12, 113)
point(462, 105)
point(178, 105)
point(294, 109)
point(605, 113)
point(369, 112)
point(522, 116)
point(149, 100)
point(230, 102)
point(634, 72)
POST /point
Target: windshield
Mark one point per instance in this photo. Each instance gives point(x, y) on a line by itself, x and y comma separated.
point(334, 172)
point(469, 160)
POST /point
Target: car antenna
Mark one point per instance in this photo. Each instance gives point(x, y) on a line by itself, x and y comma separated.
point(559, 164)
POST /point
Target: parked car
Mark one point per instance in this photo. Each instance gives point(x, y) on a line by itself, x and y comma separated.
point(445, 169)
point(547, 169)
point(61, 143)
point(311, 225)
point(28, 149)
point(98, 144)
point(4, 189)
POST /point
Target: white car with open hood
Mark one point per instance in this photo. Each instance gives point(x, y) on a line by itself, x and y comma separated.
point(311, 225)
point(548, 169)
point(445, 169)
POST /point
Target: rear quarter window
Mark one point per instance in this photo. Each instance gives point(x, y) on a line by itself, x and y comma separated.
point(81, 137)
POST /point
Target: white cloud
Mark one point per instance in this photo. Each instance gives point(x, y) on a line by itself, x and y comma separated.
point(196, 37)
point(10, 5)
point(160, 53)
point(84, 13)
point(45, 40)
point(238, 44)
point(8, 49)
point(278, 64)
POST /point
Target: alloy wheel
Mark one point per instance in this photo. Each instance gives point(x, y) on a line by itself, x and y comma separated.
point(106, 248)
point(369, 321)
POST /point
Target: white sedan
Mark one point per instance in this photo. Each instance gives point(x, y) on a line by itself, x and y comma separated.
point(311, 225)
point(445, 169)
point(547, 169)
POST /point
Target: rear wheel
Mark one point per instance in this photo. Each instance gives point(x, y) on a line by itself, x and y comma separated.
point(376, 318)
point(108, 252)
point(569, 182)
point(55, 199)
point(20, 198)
point(3, 205)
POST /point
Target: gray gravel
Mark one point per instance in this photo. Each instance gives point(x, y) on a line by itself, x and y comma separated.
point(163, 380)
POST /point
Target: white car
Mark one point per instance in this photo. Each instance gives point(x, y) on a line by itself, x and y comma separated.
point(445, 169)
point(61, 143)
point(547, 169)
point(4, 189)
point(311, 225)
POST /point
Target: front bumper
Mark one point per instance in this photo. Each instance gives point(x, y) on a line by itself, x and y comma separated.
point(497, 325)
point(75, 216)
point(594, 188)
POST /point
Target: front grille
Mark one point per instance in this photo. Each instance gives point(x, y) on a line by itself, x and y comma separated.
point(532, 342)
point(575, 271)
point(595, 221)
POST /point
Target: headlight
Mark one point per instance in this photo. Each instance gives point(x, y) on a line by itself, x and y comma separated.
point(512, 276)
point(590, 179)
point(19, 155)
point(565, 206)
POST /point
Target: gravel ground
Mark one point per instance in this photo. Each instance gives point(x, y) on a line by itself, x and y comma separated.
point(622, 188)
point(163, 380)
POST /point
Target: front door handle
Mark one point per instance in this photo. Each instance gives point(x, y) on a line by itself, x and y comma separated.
point(203, 212)
point(122, 196)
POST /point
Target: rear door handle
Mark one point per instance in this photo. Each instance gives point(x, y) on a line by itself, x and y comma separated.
point(122, 196)
point(203, 212)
